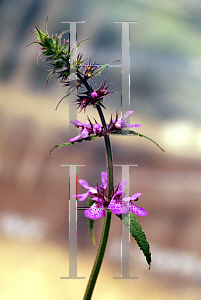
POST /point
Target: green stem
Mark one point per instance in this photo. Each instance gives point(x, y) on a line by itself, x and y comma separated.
point(108, 151)
point(106, 226)
point(99, 257)
point(84, 81)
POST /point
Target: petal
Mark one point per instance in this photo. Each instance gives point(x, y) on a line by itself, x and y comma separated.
point(96, 211)
point(75, 139)
point(115, 207)
point(134, 125)
point(84, 133)
point(126, 200)
point(118, 124)
point(125, 123)
point(128, 113)
point(77, 123)
point(97, 128)
point(125, 207)
point(82, 196)
point(87, 126)
point(118, 193)
point(93, 190)
point(96, 199)
point(122, 185)
point(138, 210)
point(84, 184)
point(135, 196)
point(104, 180)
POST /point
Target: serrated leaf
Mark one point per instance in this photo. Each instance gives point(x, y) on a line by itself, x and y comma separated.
point(89, 138)
point(138, 234)
point(126, 132)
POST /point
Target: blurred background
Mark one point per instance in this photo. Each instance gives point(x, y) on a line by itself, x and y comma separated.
point(165, 51)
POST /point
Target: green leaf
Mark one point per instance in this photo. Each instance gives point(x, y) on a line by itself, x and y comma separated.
point(48, 42)
point(89, 138)
point(102, 68)
point(126, 132)
point(70, 91)
point(138, 234)
point(82, 42)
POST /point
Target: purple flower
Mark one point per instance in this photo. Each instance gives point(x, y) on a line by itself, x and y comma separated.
point(96, 211)
point(122, 123)
point(128, 201)
point(118, 203)
point(87, 129)
point(91, 190)
point(97, 128)
point(119, 123)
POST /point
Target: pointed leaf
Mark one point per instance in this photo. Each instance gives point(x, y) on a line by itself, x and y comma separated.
point(126, 132)
point(138, 234)
point(89, 138)
point(102, 68)
point(70, 91)
point(81, 42)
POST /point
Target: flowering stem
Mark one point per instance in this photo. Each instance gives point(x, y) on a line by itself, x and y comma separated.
point(107, 221)
point(108, 151)
point(106, 225)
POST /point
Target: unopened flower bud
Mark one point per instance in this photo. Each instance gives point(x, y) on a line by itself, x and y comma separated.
point(94, 94)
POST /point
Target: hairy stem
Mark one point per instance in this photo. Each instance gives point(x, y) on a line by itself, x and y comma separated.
point(99, 257)
point(109, 159)
point(107, 221)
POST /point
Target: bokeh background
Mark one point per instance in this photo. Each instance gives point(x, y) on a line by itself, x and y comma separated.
point(165, 49)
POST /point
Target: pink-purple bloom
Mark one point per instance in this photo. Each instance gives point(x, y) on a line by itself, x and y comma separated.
point(87, 129)
point(118, 203)
point(122, 123)
point(118, 124)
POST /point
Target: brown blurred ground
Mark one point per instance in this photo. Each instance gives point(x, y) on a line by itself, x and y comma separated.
point(34, 211)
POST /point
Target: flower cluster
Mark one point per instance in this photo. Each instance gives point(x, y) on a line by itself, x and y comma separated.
point(121, 123)
point(93, 97)
point(114, 126)
point(87, 129)
point(118, 203)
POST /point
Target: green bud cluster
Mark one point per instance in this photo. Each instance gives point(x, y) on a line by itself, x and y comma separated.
point(57, 53)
